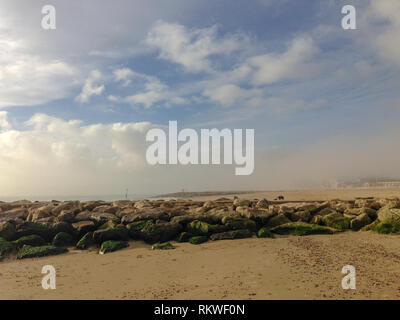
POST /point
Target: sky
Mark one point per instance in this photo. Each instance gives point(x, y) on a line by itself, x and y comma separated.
point(76, 102)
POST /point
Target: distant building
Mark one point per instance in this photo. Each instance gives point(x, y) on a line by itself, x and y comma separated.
point(369, 182)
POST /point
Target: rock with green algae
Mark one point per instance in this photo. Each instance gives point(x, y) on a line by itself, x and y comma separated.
point(184, 236)
point(198, 239)
point(301, 229)
point(265, 233)
point(163, 246)
point(112, 245)
point(135, 228)
point(32, 240)
point(337, 221)
point(119, 232)
point(7, 230)
point(239, 223)
point(230, 235)
point(86, 241)
point(6, 247)
point(201, 228)
point(390, 227)
point(31, 252)
point(161, 232)
point(83, 227)
point(30, 228)
point(63, 239)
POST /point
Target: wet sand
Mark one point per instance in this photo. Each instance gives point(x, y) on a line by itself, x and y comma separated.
point(282, 268)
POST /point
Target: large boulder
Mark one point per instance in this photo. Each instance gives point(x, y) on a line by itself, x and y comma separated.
point(146, 214)
point(135, 228)
point(32, 240)
point(73, 206)
point(201, 228)
point(31, 252)
point(7, 230)
point(238, 224)
point(301, 229)
point(83, 227)
point(30, 228)
point(63, 239)
point(336, 220)
point(360, 221)
point(13, 214)
point(66, 215)
point(277, 220)
point(5, 248)
point(119, 232)
point(90, 205)
point(304, 216)
point(102, 217)
point(389, 213)
point(161, 232)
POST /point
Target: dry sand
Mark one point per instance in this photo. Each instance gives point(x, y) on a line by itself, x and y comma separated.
point(282, 268)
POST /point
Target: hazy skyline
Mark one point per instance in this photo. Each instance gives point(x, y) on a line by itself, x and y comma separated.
point(76, 102)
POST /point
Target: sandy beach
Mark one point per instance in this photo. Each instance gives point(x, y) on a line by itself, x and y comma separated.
point(283, 268)
point(316, 194)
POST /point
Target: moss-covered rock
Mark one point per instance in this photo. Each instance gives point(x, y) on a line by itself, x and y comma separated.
point(265, 233)
point(135, 228)
point(160, 232)
point(83, 227)
point(201, 228)
point(112, 245)
point(239, 224)
point(301, 229)
point(184, 236)
point(63, 227)
point(7, 230)
point(119, 232)
point(337, 221)
point(234, 234)
point(5, 248)
point(86, 241)
point(360, 221)
point(163, 246)
point(198, 239)
point(32, 240)
point(391, 227)
point(63, 239)
point(30, 252)
point(30, 228)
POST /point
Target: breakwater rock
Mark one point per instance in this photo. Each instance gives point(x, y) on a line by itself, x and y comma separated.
point(34, 229)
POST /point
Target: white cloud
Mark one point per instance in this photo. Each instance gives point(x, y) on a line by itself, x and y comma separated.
point(28, 79)
point(123, 75)
point(229, 94)
point(90, 87)
point(153, 90)
point(292, 64)
point(387, 41)
point(191, 48)
point(69, 156)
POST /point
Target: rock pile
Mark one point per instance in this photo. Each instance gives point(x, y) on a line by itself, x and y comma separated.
point(35, 229)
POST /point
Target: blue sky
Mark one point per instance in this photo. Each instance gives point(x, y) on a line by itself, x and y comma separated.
point(75, 102)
